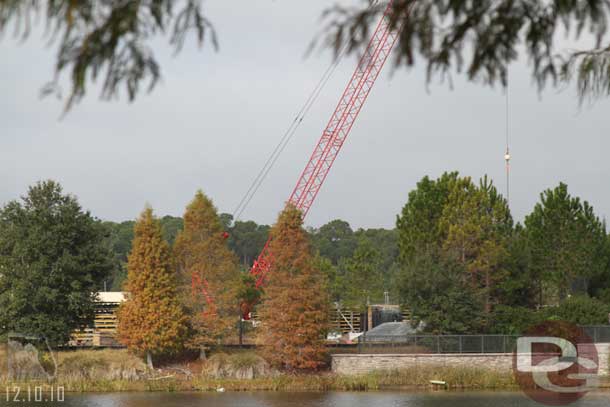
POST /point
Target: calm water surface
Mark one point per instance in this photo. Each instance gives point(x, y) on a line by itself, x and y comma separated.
point(330, 399)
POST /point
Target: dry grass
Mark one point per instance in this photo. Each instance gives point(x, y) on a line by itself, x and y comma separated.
point(238, 365)
point(106, 364)
point(114, 370)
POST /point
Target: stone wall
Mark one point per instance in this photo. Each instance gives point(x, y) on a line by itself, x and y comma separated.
point(364, 363)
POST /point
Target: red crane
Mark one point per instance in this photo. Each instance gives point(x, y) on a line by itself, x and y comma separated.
point(327, 148)
point(337, 129)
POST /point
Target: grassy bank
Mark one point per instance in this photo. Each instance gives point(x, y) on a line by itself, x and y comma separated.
point(117, 370)
point(285, 382)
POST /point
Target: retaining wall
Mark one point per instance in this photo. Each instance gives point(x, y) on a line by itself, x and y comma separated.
point(350, 364)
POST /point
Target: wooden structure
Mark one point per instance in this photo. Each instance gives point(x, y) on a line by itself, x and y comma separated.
point(103, 332)
point(346, 320)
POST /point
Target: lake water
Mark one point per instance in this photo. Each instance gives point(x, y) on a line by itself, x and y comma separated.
point(330, 399)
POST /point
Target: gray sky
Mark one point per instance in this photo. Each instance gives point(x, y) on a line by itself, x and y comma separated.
point(215, 118)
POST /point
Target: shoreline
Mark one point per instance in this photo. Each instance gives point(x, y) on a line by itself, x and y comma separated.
point(106, 371)
point(242, 386)
point(323, 382)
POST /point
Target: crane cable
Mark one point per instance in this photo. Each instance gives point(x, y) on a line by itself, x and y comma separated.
point(289, 133)
point(279, 148)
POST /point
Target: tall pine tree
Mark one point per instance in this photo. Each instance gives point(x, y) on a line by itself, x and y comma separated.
point(294, 310)
point(152, 320)
point(567, 243)
point(478, 225)
point(206, 265)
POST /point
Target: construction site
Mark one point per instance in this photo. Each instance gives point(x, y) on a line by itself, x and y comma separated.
point(210, 245)
point(344, 325)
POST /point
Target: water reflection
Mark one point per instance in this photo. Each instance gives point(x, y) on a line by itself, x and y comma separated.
point(331, 399)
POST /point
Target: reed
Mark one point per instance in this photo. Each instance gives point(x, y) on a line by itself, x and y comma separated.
point(117, 370)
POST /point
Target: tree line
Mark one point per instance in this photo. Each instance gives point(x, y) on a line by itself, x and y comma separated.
point(182, 296)
point(467, 267)
point(351, 259)
point(456, 260)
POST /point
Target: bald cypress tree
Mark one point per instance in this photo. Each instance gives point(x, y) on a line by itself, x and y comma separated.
point(206, 265)
point(152, 320)
point(294, 309)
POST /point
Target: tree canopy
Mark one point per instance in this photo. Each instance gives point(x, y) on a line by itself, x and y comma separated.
point(111, 40)
point(481, 38)
point(455, 260)
point(568, 245)
point(53, 259)
point(457, 231)
point(466, 268)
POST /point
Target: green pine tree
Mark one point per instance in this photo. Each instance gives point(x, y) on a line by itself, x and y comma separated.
point(567, 243)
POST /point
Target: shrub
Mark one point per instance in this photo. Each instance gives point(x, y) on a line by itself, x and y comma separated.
point(514, 320)
point(580, 310)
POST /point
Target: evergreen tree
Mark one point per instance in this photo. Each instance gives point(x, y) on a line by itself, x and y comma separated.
point(438, 294)
point(518, 288)
point(568, 245)
point(478, 225)
point(363, 276)
point(418, 226)
point(332, 276)
point(294, 310)
point(151, 320)
point(205, 264)
point(53, 258)
point(452, 220)
point(247, 240)
point(335, 240)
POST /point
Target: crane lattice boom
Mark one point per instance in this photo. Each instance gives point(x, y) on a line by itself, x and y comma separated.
point(337, 129)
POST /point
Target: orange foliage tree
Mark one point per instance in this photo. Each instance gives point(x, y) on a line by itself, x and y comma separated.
point(294, 308)
point(205, 262)
point(151, 321)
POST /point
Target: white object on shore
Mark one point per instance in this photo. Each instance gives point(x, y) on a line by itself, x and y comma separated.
point(220, 389)
point(438, 382)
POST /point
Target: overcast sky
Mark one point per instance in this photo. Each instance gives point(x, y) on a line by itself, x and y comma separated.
point(215, 118)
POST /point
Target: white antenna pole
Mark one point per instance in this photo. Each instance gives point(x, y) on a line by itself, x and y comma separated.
point(507, 153)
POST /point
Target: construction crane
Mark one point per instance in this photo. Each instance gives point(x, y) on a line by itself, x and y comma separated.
point(336, 131)
point(334, 135)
